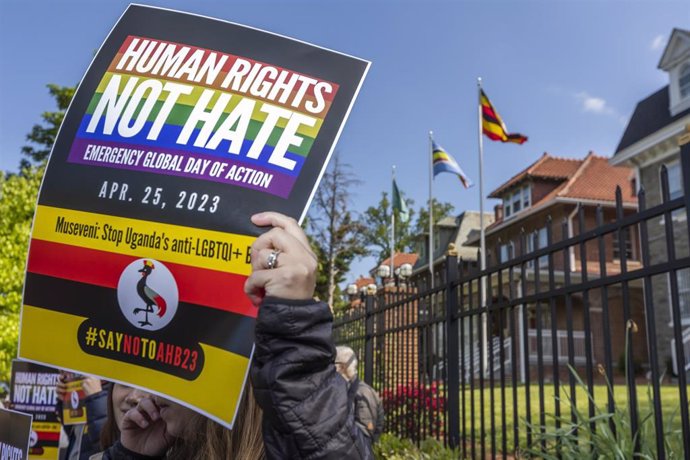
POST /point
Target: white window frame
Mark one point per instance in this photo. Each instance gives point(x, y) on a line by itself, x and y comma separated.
point(526, 197)
point(509, 248)
point(671, 167)
point(682, 290)
point(542, 242)
point(516, 197)
point(684, 89)
point(522, 196)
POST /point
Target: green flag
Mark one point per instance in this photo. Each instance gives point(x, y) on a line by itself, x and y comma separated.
point(399, 204)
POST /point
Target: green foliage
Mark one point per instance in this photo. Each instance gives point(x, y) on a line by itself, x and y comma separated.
point(17, 200)
point(585, 437)
point(390, 447)
point(42, 136)
point(441, 211)
point(376, 221)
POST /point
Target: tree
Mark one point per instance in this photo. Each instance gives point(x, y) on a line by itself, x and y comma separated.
point(441, 211)
point(334, 232)
point(43, 135)
point(18, 194)
point(376, 221)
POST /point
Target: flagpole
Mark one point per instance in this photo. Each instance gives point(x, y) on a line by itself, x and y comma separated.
point(482, 235)
point(431, 211)
point(393, 227)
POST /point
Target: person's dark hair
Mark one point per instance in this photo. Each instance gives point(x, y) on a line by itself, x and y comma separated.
point(205, 439)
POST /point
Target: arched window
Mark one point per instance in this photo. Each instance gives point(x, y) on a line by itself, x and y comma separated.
point(684, 81)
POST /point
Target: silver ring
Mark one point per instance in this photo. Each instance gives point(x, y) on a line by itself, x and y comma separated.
point(272, 261)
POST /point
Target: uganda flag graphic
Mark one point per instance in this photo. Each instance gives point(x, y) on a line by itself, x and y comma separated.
point(182, 128)
point(493, 126)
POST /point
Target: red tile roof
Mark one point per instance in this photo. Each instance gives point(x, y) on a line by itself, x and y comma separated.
point(597, 180)
point(546, 167)
point(401, 258)
point(592, 178)
point(362, 281)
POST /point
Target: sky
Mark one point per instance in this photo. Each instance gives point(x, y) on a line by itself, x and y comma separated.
point(567, 74)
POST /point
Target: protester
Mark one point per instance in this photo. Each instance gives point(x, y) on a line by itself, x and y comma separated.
point(121, 398)
point(304, 401)
point(84, 438)
point(369, 414)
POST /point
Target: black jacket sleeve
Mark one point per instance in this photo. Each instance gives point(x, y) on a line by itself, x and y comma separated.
point(96, 413)
point(307, 414)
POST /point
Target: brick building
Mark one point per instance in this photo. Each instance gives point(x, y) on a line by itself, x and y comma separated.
point(552, 188)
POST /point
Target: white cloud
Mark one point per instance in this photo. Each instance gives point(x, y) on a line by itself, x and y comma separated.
point(593, 104)
point(658, 43)
point(599, 106)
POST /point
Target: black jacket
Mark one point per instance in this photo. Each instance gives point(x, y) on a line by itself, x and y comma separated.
point(307, 412)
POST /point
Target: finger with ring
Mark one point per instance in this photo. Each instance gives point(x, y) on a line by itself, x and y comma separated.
point(272, 261)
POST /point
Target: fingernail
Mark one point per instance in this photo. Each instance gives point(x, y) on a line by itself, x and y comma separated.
point(144, 423)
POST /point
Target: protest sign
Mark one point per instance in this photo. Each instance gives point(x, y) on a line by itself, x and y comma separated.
point(182, 127)
point(15, 430)
point(33, 391)
point(73, 405)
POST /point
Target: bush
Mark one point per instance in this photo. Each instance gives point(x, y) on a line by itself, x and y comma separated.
point(405, 404)
point(391, 447)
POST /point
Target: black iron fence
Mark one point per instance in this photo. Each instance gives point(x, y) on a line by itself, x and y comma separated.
point(561, 348)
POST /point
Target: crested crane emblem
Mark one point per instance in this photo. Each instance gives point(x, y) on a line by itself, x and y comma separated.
point(147, 294)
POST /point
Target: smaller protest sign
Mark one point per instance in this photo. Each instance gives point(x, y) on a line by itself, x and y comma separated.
point(73, 408)
point(15, 430)
point(33, 390)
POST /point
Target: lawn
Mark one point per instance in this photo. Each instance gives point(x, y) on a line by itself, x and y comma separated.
point(472, 416)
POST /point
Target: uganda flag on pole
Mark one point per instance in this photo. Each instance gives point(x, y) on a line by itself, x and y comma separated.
point(493, 126)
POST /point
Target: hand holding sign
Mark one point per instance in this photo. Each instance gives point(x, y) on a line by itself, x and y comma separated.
point(283, 264)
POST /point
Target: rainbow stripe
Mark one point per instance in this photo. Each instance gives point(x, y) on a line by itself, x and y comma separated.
point(271, 177)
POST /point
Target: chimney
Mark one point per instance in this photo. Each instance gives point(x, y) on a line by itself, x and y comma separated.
point(498, 212)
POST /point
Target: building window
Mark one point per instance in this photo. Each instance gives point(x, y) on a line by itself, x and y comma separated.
point(675, 180)
point(507, 210)
point(518, 201)
point(437, 241)
point(684, 81)
point(541, 243)
point(683, 277)
point(526, 197)
point(627, 245)
point(505, 252)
